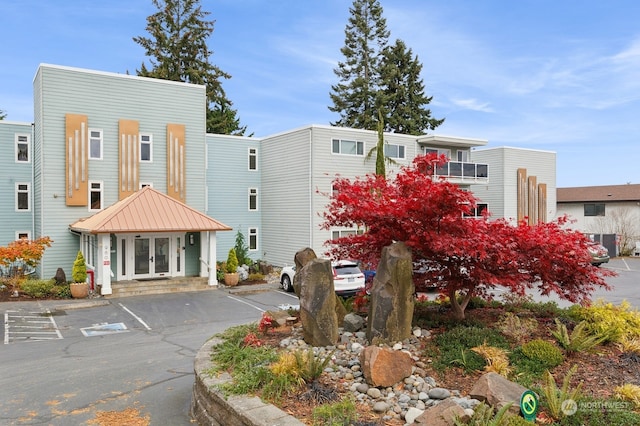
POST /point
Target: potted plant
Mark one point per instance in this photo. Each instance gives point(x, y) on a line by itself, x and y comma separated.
point(79, 286)
point(231, 272)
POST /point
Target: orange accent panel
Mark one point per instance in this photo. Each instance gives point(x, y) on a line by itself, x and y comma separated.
point(542, 202)
point(128, 158)
point(522, 194)
point(77, 156)
point(532, 200)
point(176, 185)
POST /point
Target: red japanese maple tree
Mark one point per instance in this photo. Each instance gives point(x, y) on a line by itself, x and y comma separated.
point(462, 256)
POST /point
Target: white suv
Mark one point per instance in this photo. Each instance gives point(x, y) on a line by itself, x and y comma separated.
point(348, 279)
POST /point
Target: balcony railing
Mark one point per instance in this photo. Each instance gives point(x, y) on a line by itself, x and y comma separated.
point(463, 172)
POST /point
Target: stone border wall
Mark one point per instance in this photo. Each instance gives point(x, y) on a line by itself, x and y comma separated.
point(209, 407)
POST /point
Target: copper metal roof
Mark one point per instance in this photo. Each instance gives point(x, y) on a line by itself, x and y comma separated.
point(148, 211)
point(599, 193)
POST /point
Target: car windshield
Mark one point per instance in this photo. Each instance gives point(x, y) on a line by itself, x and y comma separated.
point(347, 270)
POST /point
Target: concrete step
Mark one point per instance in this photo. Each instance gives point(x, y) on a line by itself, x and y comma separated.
point(162, 286)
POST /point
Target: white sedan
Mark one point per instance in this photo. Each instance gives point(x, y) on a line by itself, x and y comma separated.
point(348, 279)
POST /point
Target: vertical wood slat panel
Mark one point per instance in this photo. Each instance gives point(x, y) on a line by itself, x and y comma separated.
point(129, 173)
point(76, 173)
point(176, 187)
point(532, 199)
point(542, 202)
point(522, 194)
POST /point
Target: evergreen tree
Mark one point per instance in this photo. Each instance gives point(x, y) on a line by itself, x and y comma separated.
point(403, 89)
point(377, 77)
point(2, 114)
point(178, 51)
point(354, 97)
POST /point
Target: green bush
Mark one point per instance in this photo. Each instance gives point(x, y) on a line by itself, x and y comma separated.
point(546, 353)
point(256, 277)
point(232, 262)
point(62, 291)
point(612, 322)
point(37, 288)
point(79, 270)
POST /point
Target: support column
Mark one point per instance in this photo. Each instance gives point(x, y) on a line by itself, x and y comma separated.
point(204, 254)
point(103, 268)
point(213, 277)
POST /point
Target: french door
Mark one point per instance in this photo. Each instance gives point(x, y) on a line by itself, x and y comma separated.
point(150, 256)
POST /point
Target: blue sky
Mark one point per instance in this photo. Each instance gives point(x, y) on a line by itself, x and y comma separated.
point(553, 75)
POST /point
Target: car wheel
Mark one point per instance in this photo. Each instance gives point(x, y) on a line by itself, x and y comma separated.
point(286, 283)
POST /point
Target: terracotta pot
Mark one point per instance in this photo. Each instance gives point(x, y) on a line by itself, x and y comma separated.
point(79, 290)
point(231, 279)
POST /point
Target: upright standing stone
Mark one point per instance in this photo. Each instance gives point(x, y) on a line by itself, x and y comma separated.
point(301, 258)
point(392, 296)
point(317, 303)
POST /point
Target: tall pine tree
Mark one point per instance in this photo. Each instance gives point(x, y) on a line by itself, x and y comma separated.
point(354, 97)
point(178, 51)
point(376, 77)
point(403, 89)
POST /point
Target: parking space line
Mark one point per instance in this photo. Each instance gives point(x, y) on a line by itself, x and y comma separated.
point(33, 327)
point(246, 303)
point(135, 316)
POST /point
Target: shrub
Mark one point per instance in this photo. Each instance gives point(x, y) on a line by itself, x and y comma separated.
point(241, 249)
point(37, 288)
point(256, 276)
point(459, 340)
point(343, 412)
point(62, 291)
point(554, 397)
point(579, 340)
point(628, 392)
point(516, 328)
point(546, 353)
point(232, 262)
point(484, 415)
point(611, 321)
point(496, 358)
point(79, 270)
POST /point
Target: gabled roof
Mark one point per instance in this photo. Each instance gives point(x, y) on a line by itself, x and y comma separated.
point(599, 193)
point(148, 210)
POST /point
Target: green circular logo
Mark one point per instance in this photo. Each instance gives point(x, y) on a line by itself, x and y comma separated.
point(529, 405)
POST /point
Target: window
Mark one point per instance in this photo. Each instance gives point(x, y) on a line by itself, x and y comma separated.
point(463, 156)
point(438, 151)
point(394, 151)
point(346, 232)
point(339, 146)
point(253, 199)
point(146, 148)
point(95, 144)
point(23, 196)
point(478, 211)
point(594, 209)
point(253, 239)
point(95, 195)
point(253, 159)
point(22, 148)
point(23, 235)
point(145, 184)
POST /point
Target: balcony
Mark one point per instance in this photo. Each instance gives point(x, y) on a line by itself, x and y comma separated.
point(459, 172)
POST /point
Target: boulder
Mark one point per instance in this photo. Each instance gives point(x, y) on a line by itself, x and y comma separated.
point(384, 367)
point(60, 277)
point(497, 391)
point(301, 258)
point(318, 303)
point(442, 414)
point(352, 323)
point(392, 296)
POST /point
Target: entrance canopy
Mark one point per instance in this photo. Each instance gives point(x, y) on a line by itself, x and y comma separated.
point(148, 210)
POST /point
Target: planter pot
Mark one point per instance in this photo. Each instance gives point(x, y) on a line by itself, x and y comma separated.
point(231, 279)
point(79, 290)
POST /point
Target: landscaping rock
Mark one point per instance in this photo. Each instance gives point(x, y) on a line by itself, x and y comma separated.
point(352, 322)
point(318, 311)
point(442, 414)
point(392, 296)
point(385, 367)
point(497, 391)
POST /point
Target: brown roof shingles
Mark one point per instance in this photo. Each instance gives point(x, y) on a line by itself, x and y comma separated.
point(604, 193)
point(148, 210)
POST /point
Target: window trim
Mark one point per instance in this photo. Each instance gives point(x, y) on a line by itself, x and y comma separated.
point(359, 144)
point(150, 143)
point(89, 139)
point(253, 232)
point(26, 233)
point(438, 151)
point(26, 191)
point(252, 193)
point(18, 142)
point(100, 191)
point(596, 210)
point(253, 153)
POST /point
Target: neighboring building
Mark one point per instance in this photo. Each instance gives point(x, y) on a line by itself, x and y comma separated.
point(522, 186)
point(80, 173)
point(609, 214)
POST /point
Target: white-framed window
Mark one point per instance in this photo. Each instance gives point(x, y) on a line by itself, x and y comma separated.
point(23, 235)
point(253, 159)
point(23, 144)
point(23, 196)
point(144, 184)
point(95, 144)
point(146, 148)
point(478, 211)
point(394, 151)
point(253, 239)
point(253, 199)
point(338, 233)
point(346, 147)
point(95, 196)
point(463, 156)
point(439, 151)
point(90, 251)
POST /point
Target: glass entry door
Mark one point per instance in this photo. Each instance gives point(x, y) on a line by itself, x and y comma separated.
point(151, 256)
